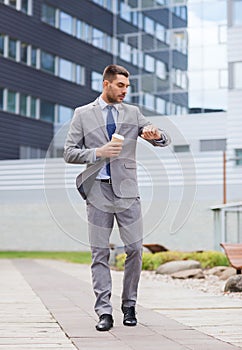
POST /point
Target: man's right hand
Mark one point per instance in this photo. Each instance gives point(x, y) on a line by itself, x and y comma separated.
point(111, 149)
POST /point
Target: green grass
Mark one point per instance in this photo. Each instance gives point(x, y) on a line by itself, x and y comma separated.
point(74, 257)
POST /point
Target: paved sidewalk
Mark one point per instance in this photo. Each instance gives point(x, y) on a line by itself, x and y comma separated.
point(48, 305)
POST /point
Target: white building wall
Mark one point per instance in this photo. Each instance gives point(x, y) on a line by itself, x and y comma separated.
point(195, 127)
point(234, 130)
point(234, 44)
point(42, 210)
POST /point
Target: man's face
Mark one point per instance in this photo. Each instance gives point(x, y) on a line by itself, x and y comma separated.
point(115, 91)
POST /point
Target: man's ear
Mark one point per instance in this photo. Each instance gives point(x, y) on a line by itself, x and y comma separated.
point(105, 83)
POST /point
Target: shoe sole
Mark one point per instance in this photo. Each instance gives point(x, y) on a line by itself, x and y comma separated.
point(103, 329)
point(130, 325)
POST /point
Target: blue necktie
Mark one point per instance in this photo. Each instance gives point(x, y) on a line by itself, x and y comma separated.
point(111, 126)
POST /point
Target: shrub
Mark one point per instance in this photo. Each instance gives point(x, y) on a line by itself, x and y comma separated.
point(151, 261)
point(208, 258)
point(120, 259)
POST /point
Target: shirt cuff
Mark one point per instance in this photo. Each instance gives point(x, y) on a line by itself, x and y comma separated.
point(163, 139)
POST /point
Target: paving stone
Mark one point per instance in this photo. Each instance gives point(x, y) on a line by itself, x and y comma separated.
point(61, 295)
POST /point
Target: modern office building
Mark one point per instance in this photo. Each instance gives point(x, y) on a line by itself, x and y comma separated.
point(52, 54)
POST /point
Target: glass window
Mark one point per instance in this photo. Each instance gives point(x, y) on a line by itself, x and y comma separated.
point(11, 101)
point(13, 3)
point(180, 41)
point(80, 72)
point(149, 25)
point(125, 12)
point(237, 12)
point(24, 53)
point(97, 81)
point(47, 111)
point(87, 33)
point(134, 85)
point(168, 108)
point(149, 101)
point(33, 56)
point(24, 6)
point(149, 63)
point(237, 75)
point(173, 108)
point(48, 14)
point(135, 56)
point(79, 29)
point(181, 148)
point(65, 69)
point(23, 104)
point(12, 48)
point(108, 43)
point(66, 22)
point(1, 98)
point(213, 145)
point(27, 152)
point(33, 107)
point(125, 52)
point(161, 70)
point(160, 32)
point(160, 105)
point(64, 114)
point(238, 155)
point(1, 44)
point(98, 38)
point(183, 12)
point(141, 60)
point(47, 62)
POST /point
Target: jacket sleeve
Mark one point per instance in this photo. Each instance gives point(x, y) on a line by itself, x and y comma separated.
point(163, 142)
point(165, 138)
point(74, 150)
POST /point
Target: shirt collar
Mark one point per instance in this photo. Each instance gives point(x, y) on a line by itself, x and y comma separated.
point(104, 104)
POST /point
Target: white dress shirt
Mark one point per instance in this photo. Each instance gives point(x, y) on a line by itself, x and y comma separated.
point(103, 173)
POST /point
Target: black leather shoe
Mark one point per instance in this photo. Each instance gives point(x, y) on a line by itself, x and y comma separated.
point(105, 323)
point(129, 316)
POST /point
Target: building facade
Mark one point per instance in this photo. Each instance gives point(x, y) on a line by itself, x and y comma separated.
point(45, 69)
point(52, 54)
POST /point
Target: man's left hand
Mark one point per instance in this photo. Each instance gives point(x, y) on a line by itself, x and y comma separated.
point(151, 132)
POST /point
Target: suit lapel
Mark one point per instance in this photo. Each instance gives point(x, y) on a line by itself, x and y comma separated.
point(120, 118)
point(99, 118)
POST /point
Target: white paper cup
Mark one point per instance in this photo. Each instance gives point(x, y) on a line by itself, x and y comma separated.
point(117, 138)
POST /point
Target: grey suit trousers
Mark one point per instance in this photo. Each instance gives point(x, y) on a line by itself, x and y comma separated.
point(103, 207)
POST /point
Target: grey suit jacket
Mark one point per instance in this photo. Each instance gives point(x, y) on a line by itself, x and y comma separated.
point(88, 132)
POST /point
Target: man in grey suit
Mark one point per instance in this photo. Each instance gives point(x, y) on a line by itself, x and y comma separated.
point(109, 185)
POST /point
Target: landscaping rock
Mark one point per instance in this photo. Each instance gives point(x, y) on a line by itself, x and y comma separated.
point(217, 270)
point(193, 273)
point(234, 284)
point(176, 266)
point(223, 272)
point(226, 274)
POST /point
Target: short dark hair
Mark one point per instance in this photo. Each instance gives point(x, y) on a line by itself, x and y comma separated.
point(112, 70)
